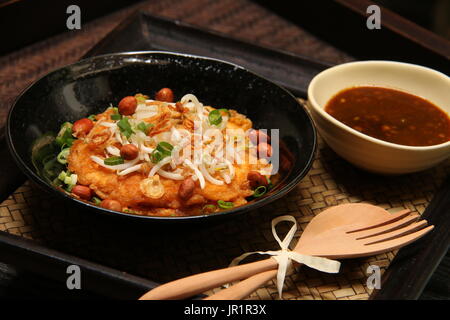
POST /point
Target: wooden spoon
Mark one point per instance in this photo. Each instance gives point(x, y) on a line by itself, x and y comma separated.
point(391, 229)
point(344, 231)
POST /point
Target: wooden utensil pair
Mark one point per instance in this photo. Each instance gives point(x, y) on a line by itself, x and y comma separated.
point(340, 232)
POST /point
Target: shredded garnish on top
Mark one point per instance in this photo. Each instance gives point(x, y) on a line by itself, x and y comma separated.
point(164, 135)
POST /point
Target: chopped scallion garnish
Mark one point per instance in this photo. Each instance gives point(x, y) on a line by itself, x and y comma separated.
point(260, 191)
point(64, 137)
point(63, 155)
point(225, 204)
point(215, 118)
point(113, 161)
point(62, 175)
point(96, 200)
point(165, 148)
point(68, 180)
point(144, 127)
point(156, 156)
point(71, 180)
point(116, 116)
point(125, 127)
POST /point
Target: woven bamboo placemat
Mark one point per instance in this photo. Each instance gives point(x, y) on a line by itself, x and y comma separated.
point(167, 253)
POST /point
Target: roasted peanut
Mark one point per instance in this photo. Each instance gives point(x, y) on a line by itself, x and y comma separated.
point(165, 94)
point(83, 192)
point(129, 151)
point(256, 179)
point(186, 189)
point(111, 205)
point(127, 106)
point(82, 127)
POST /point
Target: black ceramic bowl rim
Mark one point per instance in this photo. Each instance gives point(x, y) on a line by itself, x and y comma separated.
point(235, 211)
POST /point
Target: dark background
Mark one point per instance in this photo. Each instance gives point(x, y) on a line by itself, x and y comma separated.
point(433, 15)
point(23, 22)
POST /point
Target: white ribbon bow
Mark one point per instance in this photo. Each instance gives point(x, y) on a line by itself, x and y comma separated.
point(285, 256)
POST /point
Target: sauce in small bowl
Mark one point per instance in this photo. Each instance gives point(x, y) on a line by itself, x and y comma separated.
point(386, 150)
point(391, 115)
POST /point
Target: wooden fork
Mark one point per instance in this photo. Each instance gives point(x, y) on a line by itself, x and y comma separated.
point(398, 233)
point(340, 232)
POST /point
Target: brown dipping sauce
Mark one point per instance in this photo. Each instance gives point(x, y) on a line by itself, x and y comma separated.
point(391, 115)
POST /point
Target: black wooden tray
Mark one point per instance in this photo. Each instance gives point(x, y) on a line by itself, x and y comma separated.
point(144, 32)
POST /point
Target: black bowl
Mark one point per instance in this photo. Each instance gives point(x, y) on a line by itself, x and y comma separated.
point(90, 85)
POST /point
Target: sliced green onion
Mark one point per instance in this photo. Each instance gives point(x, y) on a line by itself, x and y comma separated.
point(260, 191)
point(96, 200)
point(144, 127)
point(68, 143)
point(62, 175)
point(215, 118)
point(63, 155)
point(116, 116)
point(71, 179)
point(165, 148)
point(64, 137)
point(66, 125)
point(156, 156)
point(68, 180)
point(92, 117)
point(113, 161)
point(225, 204)
point(74, 178)
point(125, 127)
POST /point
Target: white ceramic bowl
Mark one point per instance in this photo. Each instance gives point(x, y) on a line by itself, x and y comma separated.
point(364, 151)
